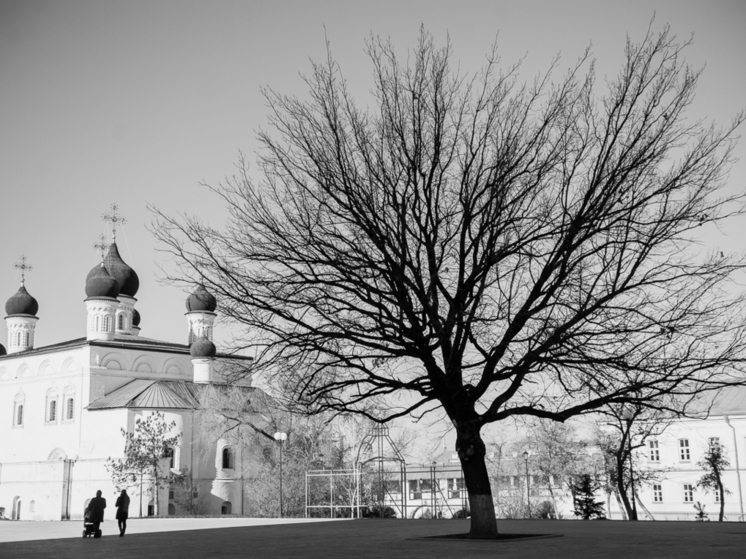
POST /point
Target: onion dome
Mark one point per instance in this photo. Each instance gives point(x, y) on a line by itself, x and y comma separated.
point(2, 350)
point(135, 318)
point(126, 277)
point(202, 347)
point(201, 300)
point(101, 284)
point(22, 303)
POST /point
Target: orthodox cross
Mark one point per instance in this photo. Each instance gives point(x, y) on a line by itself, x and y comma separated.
point(101, 245)
point(24, 267)
point(113, 217)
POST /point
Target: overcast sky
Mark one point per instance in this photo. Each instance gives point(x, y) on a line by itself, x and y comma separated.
point(137, 102)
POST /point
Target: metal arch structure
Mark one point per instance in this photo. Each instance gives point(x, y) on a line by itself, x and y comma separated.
point(383, 472)
point(381, 480)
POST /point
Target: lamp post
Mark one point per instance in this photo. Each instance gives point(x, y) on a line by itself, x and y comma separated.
point(281, 437)
point(528, 484)
point(628, 416)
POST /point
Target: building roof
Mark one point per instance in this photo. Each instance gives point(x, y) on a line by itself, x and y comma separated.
point(150, 394)
point(729, 401)
point(122, 341)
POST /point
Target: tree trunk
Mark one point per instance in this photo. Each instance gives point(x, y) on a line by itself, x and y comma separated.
point(621, 489)
point(721, 490)
point(471, 452)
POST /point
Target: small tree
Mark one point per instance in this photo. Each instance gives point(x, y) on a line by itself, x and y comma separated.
point(628, 429)
point(144, 450)
point(714, 462)
point(584, 490)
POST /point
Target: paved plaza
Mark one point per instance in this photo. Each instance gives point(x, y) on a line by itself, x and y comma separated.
point(361, 539)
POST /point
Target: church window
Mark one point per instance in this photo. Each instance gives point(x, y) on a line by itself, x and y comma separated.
point(52, 416)
point(226, 508)
point(120, 325)
point(70, 408)
point(98, 323)
point(173, 457)
point(24, 341)
point(18, 410)
point(107, 325)
point(228, 458)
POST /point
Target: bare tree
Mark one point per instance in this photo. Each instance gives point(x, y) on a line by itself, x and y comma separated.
point(477, 246)
point(628, 430)
point(715, 462)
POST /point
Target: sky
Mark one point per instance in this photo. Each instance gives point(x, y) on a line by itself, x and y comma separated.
point(138, 103)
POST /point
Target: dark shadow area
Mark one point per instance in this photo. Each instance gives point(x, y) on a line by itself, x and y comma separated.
point(498, 538)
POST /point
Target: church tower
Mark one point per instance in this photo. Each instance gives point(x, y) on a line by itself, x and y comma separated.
point(201, 305)
point(21, 317)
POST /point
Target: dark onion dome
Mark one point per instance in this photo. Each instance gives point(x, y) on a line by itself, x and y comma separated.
point(126, 277)
point(21, 303)
point(2, 350)
point(201, 300)
point(101, 284)
point(135, 318)
point(202, 347)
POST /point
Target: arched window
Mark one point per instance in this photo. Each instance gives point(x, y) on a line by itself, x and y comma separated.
point(120, 324)
point(226, 508)
point(18, 402)
point(25, 339)
point(227, 458)
point(70, 408)
point(107, 324)
point(98, 323)
point(52, 411)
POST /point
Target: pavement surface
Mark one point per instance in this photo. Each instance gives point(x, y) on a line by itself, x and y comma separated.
point(389, 539)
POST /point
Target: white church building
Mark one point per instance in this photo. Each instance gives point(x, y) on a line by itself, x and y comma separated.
point(63, 406)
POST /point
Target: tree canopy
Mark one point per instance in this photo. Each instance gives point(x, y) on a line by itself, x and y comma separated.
point(488, 247)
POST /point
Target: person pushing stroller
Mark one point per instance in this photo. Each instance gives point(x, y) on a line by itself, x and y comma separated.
point(94, 516)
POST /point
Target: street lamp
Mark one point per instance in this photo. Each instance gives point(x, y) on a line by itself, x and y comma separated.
point(281, 437)
point(528, 484)
point(628, 416)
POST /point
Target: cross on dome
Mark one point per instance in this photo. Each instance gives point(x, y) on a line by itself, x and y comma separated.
point(101, 245)
point(24, 267)
point(113, 217)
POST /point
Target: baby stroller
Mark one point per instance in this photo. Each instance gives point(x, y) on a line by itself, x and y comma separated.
point(89, 528)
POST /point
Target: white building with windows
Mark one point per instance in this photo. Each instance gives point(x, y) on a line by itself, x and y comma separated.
point(63, 406)
point(675, 454)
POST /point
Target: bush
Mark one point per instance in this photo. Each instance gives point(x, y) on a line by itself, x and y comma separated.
point(376, 512)
point(545, 510)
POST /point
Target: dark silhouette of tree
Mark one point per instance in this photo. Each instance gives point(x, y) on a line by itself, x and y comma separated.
point(714, 462)
point(478, 246)
point(584, 490)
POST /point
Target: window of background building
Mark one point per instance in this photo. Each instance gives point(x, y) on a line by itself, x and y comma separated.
point(655, 454)
point(70, 409)
point(52, 415)
point(688, 493)
point(657, 493)
point(684, 454)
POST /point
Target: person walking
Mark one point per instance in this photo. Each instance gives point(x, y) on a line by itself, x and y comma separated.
point(95, 510)
point(123, 508)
